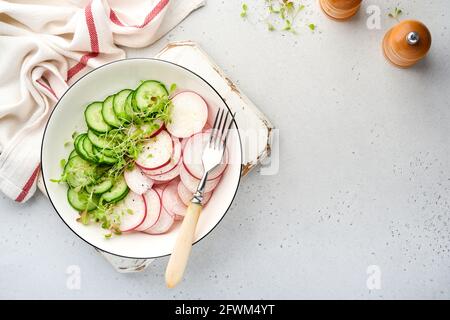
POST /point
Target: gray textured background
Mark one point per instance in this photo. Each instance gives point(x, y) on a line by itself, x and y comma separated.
point(364, 177)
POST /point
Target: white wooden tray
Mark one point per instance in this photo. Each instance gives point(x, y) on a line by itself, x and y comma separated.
point(254, 127)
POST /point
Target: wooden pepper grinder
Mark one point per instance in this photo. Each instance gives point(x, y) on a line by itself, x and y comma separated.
point(340, 9)
point(407, 43)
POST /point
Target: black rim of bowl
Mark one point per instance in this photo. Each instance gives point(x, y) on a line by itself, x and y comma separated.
point(147, 59)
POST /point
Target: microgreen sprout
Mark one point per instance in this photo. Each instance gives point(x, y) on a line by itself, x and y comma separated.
point(281, 15)
point(244, 10)
point(173, 87)
point(395, 14)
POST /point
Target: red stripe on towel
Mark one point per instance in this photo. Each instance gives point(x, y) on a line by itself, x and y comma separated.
point(26, 188)
point(48, 88)
point(150, 16)
point(93, 37)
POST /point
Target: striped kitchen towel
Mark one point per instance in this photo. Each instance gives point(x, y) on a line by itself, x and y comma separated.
point(45, 46)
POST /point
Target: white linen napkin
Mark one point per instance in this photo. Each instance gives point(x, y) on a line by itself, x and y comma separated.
point(44, 47)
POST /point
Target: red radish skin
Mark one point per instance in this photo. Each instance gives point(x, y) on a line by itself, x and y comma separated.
point(188, 115)
point(147, 126)
point(159, 189)
point(186, 195)
point(157, 131)
point(178, 217)
point(154, 205)
point(168, 176)
point(207, 128)
point(135, 204)
point(174, 160)
point(191, 182)
point(192, 157)
point(157, 152)
point(171, 201)
point(163, 225)
point(183, 143)
point(161, 184)
point(137, 181)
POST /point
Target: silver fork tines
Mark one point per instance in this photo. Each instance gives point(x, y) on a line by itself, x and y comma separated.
point(218, 136)
point(214, 150)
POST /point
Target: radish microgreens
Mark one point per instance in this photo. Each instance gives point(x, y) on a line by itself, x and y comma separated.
point(244, 10)
point(282, 15)
point(395, 14)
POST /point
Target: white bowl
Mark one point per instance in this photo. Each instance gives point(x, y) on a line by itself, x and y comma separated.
point(68, 117)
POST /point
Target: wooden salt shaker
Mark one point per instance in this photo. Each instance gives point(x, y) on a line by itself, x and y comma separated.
point(340, 10)
point(407, 43)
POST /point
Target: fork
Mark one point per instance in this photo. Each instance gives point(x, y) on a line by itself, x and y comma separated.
point(211, 158)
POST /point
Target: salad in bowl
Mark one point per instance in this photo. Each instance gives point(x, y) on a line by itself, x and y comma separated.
point(132, 159)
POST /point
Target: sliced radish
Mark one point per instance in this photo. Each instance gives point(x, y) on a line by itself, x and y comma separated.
point(159, 124)
point(153, 203)
point(174, 160)
point(137, 181)
point(159, 188)
point(192, 157)
point(186, 195)
point(132, 211)
point(178, 217)
point(160, 184)
point(171, 201)
point(191, 183)
point(168, 176)
point(207, 128)
point(156, 152)
point(188, 115)
point(163, 225)
point(183, 143)
point(155, 132)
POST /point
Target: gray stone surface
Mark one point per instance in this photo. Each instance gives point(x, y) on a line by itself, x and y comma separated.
point(364, 176)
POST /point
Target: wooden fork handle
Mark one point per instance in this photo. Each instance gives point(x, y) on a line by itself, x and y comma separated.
point(180, 255)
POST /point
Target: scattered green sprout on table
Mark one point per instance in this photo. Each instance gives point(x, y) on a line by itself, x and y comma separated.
point(282, 15)
point(395, 14)
point(244, 10)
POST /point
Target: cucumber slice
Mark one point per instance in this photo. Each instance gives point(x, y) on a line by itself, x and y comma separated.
point(117, 192)
point(108, 113)
point(128, 106)
point(106, 152)
point(73, 154)
point(100, 187)
point(77, 139)
point(81, 200)
point(94, 118)
point(79, 172)
point(79, 147)
point(119, 105)
point(99, 141)
point(145, 94)
point(89, 149)
point(101, 155)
